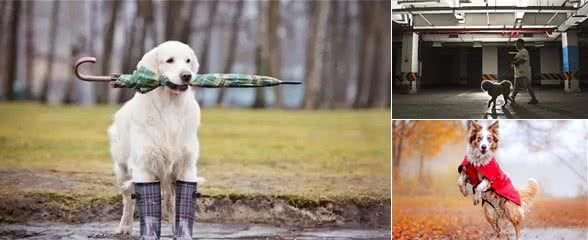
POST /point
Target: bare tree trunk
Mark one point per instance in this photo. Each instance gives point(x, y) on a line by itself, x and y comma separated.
point(128, 58)
point(366, 53)
point(232, 48)
point(185, 29)
point(261, 54)
point(30, 49)
point(12, 56)
point(205, 65)
point(3, 38)
point(380, 80)
point(107, 50)
point(330, 60)
point(343, 60)
point(172, 9)
point(273, 47)
point(314, 48)
point(51, 52)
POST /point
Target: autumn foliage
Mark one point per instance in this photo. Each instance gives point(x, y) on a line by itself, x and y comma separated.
point(457, 218)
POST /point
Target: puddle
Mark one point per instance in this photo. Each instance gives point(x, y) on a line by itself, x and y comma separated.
point(201, 231)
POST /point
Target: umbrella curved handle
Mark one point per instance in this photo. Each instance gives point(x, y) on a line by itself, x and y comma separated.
point(89, 78)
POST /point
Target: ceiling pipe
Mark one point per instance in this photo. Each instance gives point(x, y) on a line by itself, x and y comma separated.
point(482, 9)
point(485, 30)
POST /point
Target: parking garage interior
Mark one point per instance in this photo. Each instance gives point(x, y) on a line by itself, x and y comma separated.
point(455, 44)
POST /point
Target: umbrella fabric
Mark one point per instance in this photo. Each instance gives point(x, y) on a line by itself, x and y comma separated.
point(143, 80)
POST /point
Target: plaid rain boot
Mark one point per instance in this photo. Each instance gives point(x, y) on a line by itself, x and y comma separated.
point(148, 197)
point(186, 195)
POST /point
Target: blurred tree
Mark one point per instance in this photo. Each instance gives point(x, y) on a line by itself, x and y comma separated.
point(184, 31)
point(261, 55)
point(430, 137)
point(367, 50)
point(3, 37)
point(423, 138)
point(272, 44)
point(77, 49)
point(172, 8)
point(401, 131)
point(343, 59)
point(51, 52)
point(319, 11)
point(104, 89)
point(30, 48)
point(12, 56)
point(205, 59)
point(328, 73)
point(380, 75)
point(232, 47)
point(129, 58)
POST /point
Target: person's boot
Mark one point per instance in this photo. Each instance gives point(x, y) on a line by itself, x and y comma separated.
point(186, 195)
point(148, 196)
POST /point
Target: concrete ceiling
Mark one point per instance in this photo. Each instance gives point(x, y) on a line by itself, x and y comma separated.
point(492, 20)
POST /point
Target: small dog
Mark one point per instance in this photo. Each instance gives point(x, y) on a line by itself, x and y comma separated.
point(154, 135)
point(498, 196)
point(497, 89)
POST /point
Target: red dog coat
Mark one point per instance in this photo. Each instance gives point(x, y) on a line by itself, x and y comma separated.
point(500, 182)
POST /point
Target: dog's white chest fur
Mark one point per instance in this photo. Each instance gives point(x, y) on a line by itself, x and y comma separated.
point(158, 133)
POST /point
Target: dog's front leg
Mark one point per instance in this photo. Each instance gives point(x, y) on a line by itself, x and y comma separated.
point(186, 195)
point(481, 188)
point(461, 183)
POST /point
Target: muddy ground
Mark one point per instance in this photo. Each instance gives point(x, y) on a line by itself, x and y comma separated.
point(56, 208)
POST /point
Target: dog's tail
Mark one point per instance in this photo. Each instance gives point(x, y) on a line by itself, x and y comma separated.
point(528, 194)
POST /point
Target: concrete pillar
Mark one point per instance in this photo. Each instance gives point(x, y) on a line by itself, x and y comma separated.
point(569, 44)
point(550, 66)
point(410, 62)
point(489, 63)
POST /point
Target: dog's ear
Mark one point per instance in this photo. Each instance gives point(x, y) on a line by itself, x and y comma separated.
point(149, 60)
point(195, 63)
point(473, 125)
point(493, 128)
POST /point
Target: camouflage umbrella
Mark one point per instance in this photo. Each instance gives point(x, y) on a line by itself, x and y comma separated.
point(143, 80)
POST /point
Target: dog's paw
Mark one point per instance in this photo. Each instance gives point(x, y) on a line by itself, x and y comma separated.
point(124, 229)
point(476, 200)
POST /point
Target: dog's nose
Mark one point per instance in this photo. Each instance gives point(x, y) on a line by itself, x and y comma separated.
point(484, 147)
point(186, 76)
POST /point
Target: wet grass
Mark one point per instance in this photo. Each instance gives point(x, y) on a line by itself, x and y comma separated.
point(306, 156)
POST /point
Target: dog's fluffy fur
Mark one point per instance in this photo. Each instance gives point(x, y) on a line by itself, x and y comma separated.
point(154, 135)
point(495, 206)
point(496, 89)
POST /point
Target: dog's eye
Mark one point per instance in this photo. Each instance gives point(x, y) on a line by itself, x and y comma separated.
point(188, 60)
point(171, 60)
point(479, 138)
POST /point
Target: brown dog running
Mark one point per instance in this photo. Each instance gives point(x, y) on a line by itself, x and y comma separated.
point(483, 142)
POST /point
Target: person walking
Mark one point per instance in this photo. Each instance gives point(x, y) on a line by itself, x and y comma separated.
point(522, 72)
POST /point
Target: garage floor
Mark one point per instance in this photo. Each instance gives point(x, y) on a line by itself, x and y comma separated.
point(456, 103)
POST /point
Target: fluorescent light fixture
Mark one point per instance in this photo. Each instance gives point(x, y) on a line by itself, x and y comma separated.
point(437, 44)
point(539, 44)
point(477, 44)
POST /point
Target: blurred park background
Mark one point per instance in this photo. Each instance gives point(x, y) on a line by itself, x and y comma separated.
point(427, 203)
point(339, 49)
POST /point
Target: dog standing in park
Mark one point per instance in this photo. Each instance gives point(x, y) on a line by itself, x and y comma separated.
point(497, 89)
point(155, 148)
point(492, 187)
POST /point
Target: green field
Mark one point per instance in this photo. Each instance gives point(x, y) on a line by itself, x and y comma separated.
point(306, 155)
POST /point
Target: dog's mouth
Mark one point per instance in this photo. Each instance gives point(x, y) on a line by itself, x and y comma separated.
point(483, 151)
point(175, 87)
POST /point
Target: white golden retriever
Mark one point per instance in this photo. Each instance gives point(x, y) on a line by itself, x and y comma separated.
point(154, 135)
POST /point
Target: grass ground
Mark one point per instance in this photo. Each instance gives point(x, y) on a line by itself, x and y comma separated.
point(302, 156)
point(457, 218)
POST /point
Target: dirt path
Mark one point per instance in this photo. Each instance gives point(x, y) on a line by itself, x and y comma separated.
point(201, 230)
